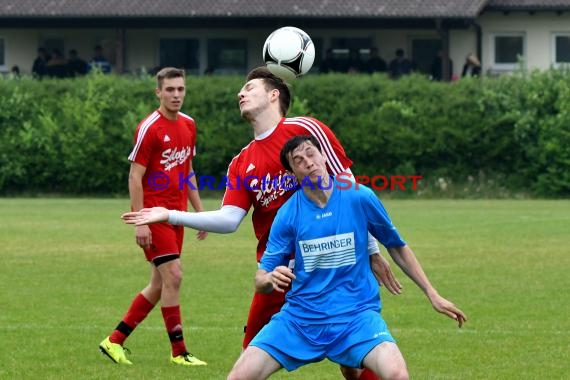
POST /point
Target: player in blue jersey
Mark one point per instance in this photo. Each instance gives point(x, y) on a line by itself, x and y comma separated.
point(333, 308)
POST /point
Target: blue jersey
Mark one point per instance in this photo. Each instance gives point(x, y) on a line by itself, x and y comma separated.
point(332, 268)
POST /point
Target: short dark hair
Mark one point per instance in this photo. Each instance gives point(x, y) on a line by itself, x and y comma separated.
point(292, 144)
point(273, 82)
point(168, 73)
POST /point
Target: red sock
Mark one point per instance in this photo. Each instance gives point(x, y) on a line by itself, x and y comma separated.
point(173, 323)
point(139, 309)
point(368, 375)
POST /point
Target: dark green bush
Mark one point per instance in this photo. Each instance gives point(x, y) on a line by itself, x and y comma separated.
point(492, 136)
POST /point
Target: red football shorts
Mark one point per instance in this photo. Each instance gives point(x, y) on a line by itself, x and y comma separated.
point(166, 240)
point(262, 308)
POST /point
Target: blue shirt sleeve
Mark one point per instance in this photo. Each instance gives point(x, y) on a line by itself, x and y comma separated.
point(281, 242)
point(379, 223)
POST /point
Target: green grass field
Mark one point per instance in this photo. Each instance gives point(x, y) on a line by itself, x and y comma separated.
point(69, 268)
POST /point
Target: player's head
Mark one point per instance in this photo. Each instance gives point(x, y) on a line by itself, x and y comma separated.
point(171, 89)
point(271, 82)
point(302, 155)
point(168, 73)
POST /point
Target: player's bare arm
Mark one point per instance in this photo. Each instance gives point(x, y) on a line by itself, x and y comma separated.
point(383, 273)
point(278, 279)
point(143, 235)
point(406, 259)
point(195, 201)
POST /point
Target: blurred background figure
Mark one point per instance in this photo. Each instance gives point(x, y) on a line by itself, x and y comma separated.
point(39, 68)
point(75, 65)
point(375, 63)
point(472, 66)
point(99, 61)
point(354, 64)
point(57, 65)
point(400, 65)
point(15, 71)
point(437, 67)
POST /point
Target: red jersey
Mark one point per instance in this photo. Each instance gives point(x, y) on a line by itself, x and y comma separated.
point(165, 147)
point(255, 175)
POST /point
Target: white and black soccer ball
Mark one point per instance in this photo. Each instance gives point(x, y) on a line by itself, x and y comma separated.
point(289, 52)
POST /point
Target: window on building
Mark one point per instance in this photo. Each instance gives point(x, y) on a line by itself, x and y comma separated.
point(424, 51)
point(2, 54)
point(227, 56)
point(561, 49)
point(180, 53)
point(319, 52)
point(508, 50)
point(342, 47)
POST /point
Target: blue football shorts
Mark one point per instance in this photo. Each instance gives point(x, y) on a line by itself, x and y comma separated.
point(293, 343)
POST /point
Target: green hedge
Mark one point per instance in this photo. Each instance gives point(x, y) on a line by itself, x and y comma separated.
point(505, 135)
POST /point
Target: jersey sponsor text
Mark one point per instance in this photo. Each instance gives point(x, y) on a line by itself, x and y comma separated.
point(174, 157)
point(328, 252)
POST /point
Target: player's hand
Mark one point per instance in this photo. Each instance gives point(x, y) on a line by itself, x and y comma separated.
point(201, 235)
point(143, 236)
point(384, 275)
point(146, 216)
point(446, 307)
point(281, 278)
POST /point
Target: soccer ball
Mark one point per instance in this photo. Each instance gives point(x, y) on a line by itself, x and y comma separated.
point(289, 52)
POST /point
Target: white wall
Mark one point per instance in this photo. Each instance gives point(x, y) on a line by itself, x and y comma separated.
point(538, 30)
point(142, 46)
point(21, 45)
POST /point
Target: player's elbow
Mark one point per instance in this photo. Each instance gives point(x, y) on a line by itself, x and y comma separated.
point(135, 181)
point(229, 226)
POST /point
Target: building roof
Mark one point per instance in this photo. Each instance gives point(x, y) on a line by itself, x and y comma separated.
point(528, 5)
point(243, 8)
point(223, 9)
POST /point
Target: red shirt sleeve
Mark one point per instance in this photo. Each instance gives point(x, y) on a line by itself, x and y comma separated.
point(142, 149)
point(236, 193)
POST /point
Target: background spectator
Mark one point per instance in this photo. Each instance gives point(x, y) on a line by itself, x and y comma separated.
point(15, 71)
point(75, 65)
point(39, 68)
point(437, 67)
point(57, 65)
point(354, 64)
point(400, 66)
point(472, 66)
point(99, 61)
point(375, 63)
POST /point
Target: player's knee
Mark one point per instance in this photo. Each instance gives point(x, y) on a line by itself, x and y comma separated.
point(396, 373)
point(236, 374)
point(172, 277)
point(175, 282)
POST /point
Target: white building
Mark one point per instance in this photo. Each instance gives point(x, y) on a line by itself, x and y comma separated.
point(227, 35)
